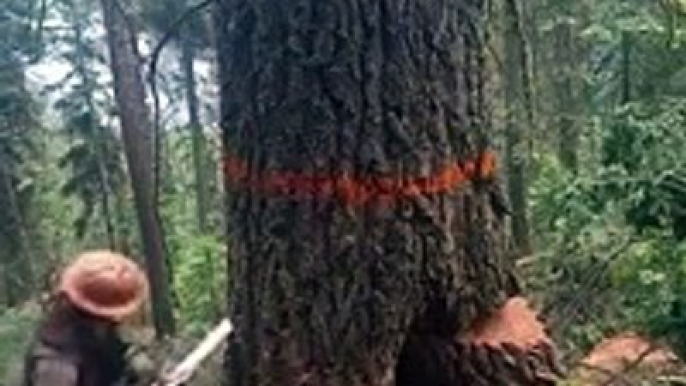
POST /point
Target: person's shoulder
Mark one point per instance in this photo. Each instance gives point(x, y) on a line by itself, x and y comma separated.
point(56, 371)
point(40, 350)
point(48, 365)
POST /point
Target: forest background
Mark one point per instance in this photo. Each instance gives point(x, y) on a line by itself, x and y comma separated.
point(589, 101)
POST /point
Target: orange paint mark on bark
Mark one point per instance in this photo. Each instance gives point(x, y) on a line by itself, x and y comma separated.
point(357, 191)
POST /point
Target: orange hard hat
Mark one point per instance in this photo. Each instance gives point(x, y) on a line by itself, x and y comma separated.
point(104, 284)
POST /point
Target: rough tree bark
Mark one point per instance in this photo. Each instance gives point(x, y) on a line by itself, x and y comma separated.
point(365, 220)
point(135, 124)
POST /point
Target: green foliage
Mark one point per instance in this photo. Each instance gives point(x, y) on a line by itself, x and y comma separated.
point(96, 171)
point(16, 327)
point(579, 235)
point(199, 260)
point(18, 119)
point(200, 264)
point(610, 236)
point(19, 21)
point(63, 185)
point(94, 158)
point(645, 142)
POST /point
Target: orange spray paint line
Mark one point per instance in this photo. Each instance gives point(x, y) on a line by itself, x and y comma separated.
point(357, 191)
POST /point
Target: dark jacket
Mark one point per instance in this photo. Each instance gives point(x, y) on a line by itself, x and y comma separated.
point(67, 353)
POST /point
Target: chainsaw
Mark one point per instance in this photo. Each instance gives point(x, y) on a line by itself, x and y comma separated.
point(183, 372)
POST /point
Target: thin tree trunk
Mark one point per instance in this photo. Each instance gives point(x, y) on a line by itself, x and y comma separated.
point(197, 136)
point(567, 62)
point(520, 115)
point(135, 121)
point(8, 298)
point(361, 185)
point(105, 193)
point(21, 279)
point(626, 68)
point(97, 144)
point(200, 164)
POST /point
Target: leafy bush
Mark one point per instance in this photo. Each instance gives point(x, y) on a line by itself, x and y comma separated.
point(200, 266)
point(16, 327)
point(610, 238)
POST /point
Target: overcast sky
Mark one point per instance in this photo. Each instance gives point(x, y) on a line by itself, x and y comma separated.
point(52, 70)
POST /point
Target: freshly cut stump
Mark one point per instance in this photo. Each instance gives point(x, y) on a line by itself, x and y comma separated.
point(510, 347)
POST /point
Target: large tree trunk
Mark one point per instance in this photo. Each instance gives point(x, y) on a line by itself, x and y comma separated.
point(135, 124)
point(363, 206)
